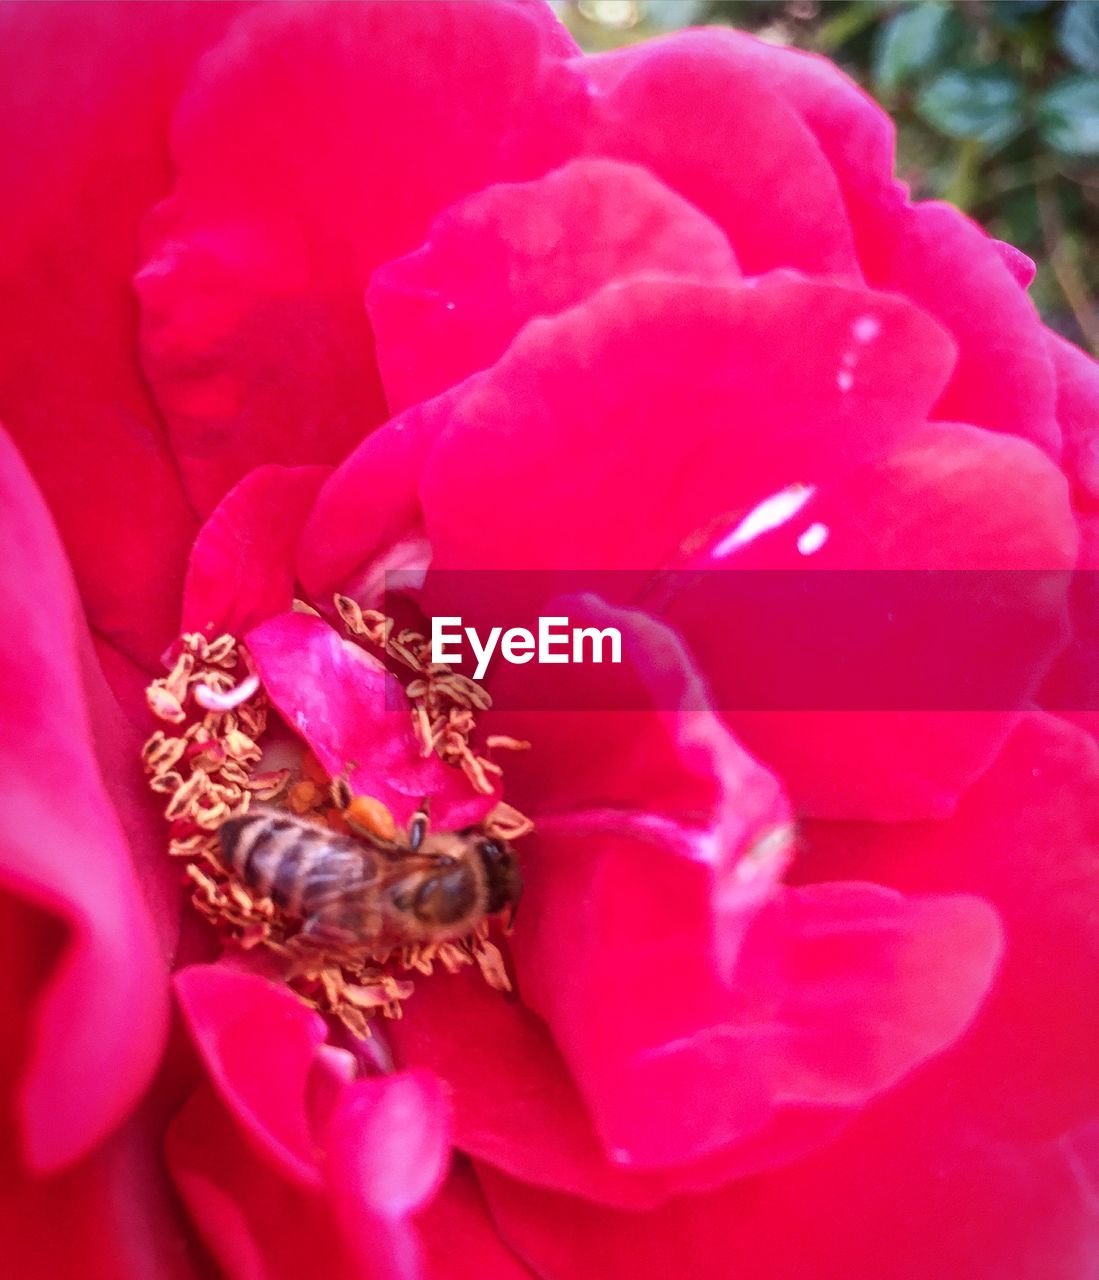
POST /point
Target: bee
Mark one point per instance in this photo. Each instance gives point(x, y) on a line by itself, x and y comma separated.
point(379, 891)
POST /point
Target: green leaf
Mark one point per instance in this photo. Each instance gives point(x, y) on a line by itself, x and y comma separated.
point(911, 41)
point(843, 23)
point(985, 105)
point(1078, 34)
point(1013, 13)
point(1018, 222)
point(1068, 116)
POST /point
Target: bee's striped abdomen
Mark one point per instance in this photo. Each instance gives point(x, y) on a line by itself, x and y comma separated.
point(303, 868)
point(257, 844)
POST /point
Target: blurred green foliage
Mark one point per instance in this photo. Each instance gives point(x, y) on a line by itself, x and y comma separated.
point(996, 104)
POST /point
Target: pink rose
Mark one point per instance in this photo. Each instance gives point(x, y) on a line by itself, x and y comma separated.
point(418, 286)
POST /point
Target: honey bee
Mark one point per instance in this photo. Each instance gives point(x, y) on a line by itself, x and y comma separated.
point(378, 891)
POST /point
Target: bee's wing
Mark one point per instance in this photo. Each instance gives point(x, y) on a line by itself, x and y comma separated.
point(404, 867)
point(323, 931)
point(334, 878)
point(332, 881)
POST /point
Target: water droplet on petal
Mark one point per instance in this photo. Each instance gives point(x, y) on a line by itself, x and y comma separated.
point(866, 328)
point(813, 539)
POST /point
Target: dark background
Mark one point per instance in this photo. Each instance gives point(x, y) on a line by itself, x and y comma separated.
point(996, 104)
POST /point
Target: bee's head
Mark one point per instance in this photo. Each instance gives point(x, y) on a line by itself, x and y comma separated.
point(446, 892)
point(466, 875)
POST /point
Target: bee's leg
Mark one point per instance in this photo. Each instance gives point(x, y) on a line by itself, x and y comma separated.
point(339, 791)
point(513, 910)
point(417, 828)
point(340, 788)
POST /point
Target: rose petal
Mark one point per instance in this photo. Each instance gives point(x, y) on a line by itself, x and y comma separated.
point(654, 768)
point(929, 252)
point(1022, 267)
point(1072, 687)
point(112, 1216)
point(664, 963)
point(255, 1223)
point(982, 1165)
point(100, 1017)
point(517, 1107)
point(1039, 800)
point(367, 514)
point(951, 499)
point(354, 1158)
point(828, 1005)
point(935, 1206)
point(87, 91)
point(948, 497)
point(764, 406)
point(241, 569)
point(289, 194)
point(517, 251)
point(947, 265)
point(1078, 414)
point(386, 1145)
point(635, 748)
point(388, 1150)
point(355, 717)
point(119, 731)
point(258, 1043)
point(460, 1241)
point(718, 134)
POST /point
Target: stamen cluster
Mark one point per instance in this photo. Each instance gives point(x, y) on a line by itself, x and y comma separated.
point(444, 703)
point(208, 762)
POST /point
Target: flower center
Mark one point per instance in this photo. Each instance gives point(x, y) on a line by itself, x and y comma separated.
point(210, 765)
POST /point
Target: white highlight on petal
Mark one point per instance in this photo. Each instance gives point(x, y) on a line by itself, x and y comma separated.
point(770, 514)
point(339, 1062)
point(768, 854)
point(866, 328)
point(813, 539)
